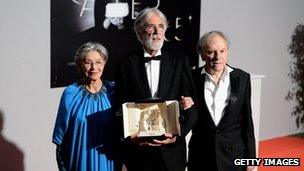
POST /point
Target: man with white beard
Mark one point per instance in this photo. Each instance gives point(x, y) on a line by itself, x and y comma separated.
point(154, 72)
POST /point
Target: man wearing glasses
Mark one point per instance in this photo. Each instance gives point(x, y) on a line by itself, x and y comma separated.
point(154, 72)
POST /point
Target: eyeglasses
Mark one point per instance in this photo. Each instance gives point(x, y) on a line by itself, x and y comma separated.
point(91, 63)
point(152, 27)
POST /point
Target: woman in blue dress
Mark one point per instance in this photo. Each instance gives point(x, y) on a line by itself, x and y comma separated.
point(83, 124)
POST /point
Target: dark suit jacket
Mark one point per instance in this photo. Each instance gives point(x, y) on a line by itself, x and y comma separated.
point(216, 147)
point(175, 80)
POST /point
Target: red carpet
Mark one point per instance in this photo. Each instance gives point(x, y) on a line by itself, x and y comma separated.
point(283, 147)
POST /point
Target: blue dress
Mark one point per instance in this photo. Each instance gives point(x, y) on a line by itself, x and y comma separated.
point(83, 126)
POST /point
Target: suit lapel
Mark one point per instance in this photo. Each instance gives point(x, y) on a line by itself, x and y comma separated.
point(202, 78)
point(165, 74)
point(141, 74)
point(234, 83)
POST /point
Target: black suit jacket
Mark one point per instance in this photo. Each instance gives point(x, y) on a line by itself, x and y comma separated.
point(214, 146)
point(175, 80)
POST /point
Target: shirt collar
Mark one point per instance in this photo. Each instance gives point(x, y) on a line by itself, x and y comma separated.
point(227, 71)
point(146, 54)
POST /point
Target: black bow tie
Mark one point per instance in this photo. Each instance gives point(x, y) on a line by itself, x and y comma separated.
point(148, 59)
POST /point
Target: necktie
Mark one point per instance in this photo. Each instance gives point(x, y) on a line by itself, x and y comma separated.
point(148, 59)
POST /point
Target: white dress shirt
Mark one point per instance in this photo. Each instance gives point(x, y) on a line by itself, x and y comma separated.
point(217, 95)
point(152, 70)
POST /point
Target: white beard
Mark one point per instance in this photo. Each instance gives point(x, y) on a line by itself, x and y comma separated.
point(153, 45)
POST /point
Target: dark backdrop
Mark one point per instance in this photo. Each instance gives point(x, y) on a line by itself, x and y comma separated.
point(74, 22)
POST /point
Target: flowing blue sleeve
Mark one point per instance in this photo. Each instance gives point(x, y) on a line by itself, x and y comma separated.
point(62, 120)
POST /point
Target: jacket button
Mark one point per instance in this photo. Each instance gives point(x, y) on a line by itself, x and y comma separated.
point(217, 131)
